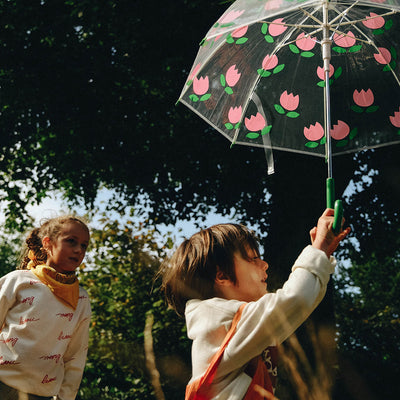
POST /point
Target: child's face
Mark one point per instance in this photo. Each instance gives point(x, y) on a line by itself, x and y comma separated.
point(251, 277)
point(66, 253)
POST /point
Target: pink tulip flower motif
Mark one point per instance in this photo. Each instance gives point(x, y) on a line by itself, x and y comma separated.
point(232, 76)
point(289, 102)
point(304, 43)
point(193, 74)
point(314, 133)
point(229, 17)
point(237, 36)
point(270, 66)
point(255, 124)
point(273, 29)
point(200, 88)
point(234, 117)
point(277, 27)
point(340, 130)
point(321, 72)
point(395, 119)
point(384, 56)
point(269, 62)
point(200, 85)
point(374, 21)
point(273, 4)
point(231, 79)
point(345, 42)
point(364, 100)
point(240, 32)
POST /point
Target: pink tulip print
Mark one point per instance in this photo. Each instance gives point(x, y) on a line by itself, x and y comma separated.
point(270, 65)
point(314, 133)
point(395, 120)
point(288, 102)
point(231, 78)
point(234, 118)
point(227, 19)
point(321, 72)
point(364, 100)
point(269, 62)
point(273, 4)
point(194, 72)
point(333, 74)
point(386, 57)
point(345, 42)
point(383, 57)
point(304, 45)
point(200, 85)
point(200, 89)
point(340, 130)
point(374, 21)
point(255, 124)
point(273, 29)
point(237, 36)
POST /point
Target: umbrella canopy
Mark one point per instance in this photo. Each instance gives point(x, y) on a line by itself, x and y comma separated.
point(259, 76)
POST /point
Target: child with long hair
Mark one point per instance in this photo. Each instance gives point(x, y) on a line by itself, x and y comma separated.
point(217, 280)
point(45, 315)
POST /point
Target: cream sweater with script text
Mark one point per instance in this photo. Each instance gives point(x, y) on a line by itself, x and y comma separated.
point(43, 342)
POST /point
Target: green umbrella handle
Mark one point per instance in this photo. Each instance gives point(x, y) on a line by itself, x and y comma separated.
point(336, 205)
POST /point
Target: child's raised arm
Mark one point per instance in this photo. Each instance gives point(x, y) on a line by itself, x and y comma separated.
point(322, 236)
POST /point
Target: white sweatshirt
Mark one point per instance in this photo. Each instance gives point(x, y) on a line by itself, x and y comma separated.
point(43, 343)
point(266, 322)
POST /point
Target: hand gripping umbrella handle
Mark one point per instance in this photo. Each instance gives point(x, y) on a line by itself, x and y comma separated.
point(336, 205)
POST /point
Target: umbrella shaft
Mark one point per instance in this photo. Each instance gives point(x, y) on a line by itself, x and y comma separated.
point(326, 55)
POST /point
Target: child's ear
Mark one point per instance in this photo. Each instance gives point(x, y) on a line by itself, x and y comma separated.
point(221, 278)
point(46, 242)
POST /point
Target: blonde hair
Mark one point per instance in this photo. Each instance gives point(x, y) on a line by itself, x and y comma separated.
point(51, 228)
point(191, 271)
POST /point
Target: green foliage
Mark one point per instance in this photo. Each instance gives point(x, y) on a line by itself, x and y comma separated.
point(10, 250)
point(120, 278)
point(368, 316)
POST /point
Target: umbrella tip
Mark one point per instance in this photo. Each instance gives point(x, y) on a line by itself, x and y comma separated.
point(232, 144)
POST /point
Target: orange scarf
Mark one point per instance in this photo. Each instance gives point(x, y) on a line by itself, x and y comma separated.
point(65, 287)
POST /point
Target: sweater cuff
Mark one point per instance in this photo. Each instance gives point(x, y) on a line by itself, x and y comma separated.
point(316, 262)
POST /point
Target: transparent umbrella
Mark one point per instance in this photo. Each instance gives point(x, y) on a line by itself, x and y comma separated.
point(316, 77)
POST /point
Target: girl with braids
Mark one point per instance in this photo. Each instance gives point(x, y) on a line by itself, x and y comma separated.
point(45, 315)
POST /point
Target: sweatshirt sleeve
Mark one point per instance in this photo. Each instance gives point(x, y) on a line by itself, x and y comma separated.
point(75, 357)
point(7, 297)
point(275, 316)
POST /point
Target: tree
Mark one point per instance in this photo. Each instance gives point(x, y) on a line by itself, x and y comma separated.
point(119, 276)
